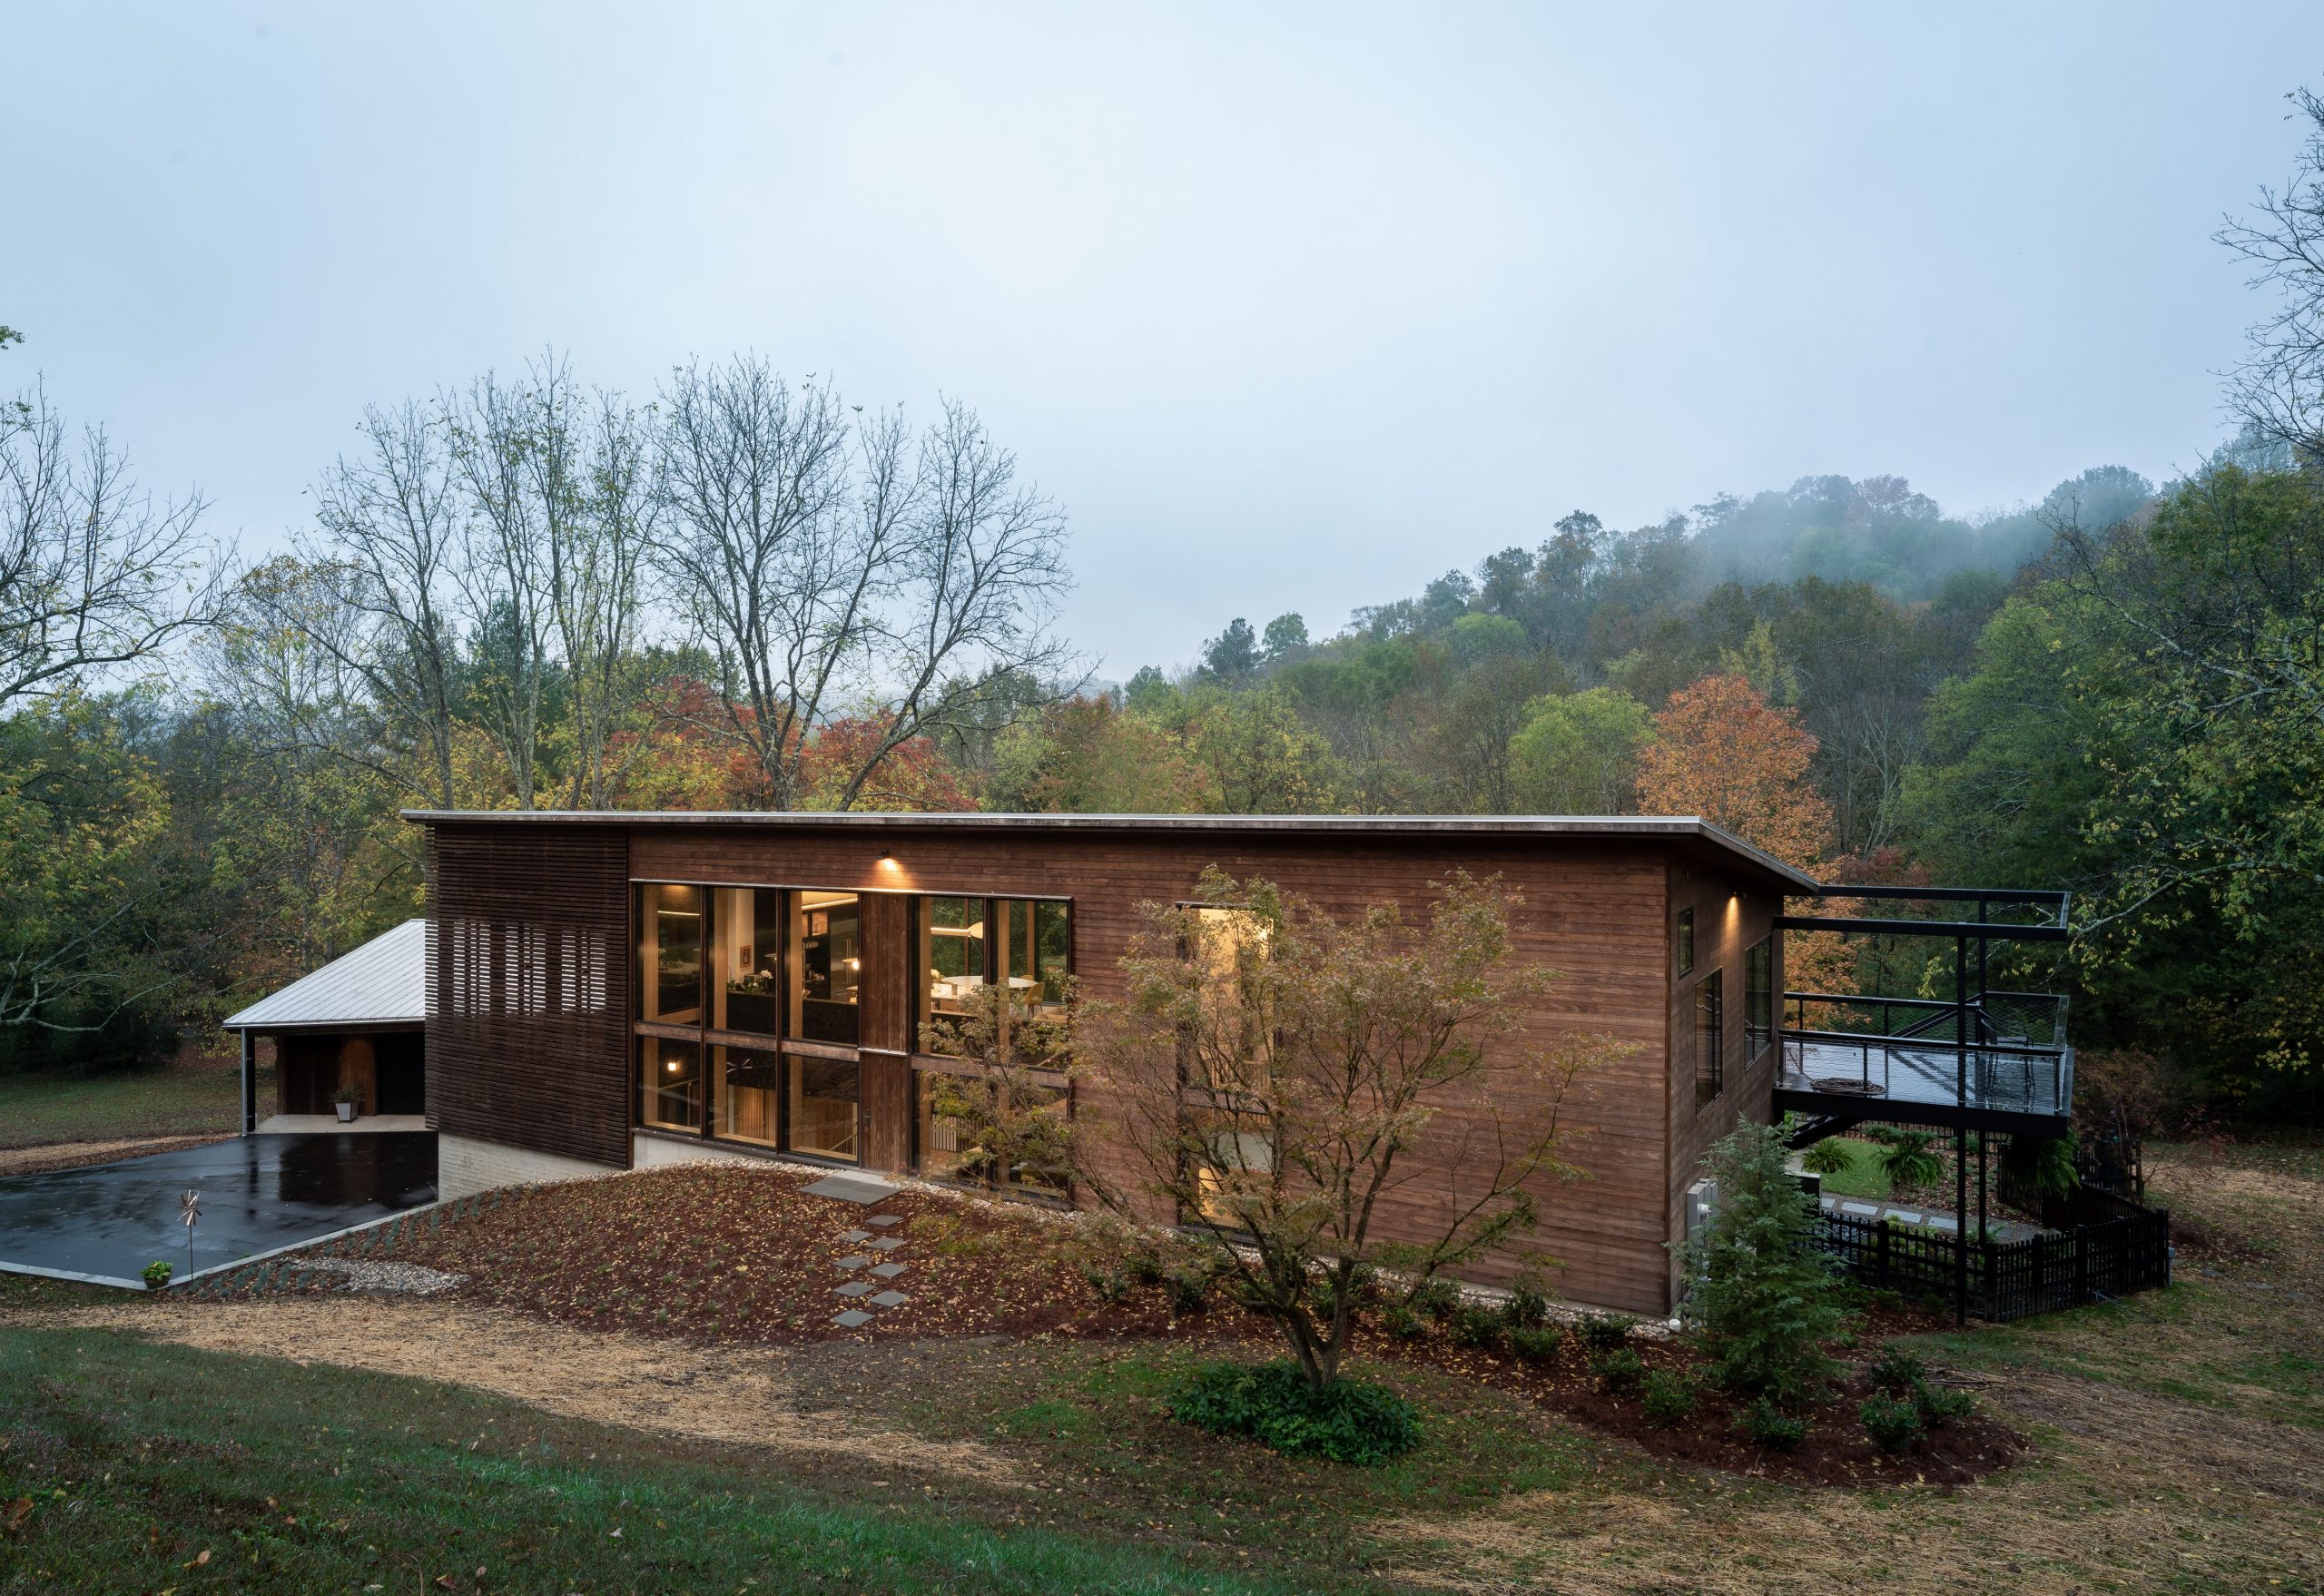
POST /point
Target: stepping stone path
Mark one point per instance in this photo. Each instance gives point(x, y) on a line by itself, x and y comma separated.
point(869, 1192)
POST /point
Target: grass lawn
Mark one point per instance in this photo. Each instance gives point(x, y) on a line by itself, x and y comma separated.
point(1863, 1178)
point(126, 1465)
point(2177, 1447)
point(195, 1100)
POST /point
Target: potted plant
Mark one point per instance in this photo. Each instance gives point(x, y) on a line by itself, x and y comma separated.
point(346, 1100)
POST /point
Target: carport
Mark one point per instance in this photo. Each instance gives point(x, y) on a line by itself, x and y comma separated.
point(105, 1222)
point(358, 1024)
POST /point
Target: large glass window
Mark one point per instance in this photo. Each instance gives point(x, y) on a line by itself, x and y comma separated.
point(1759, 996)
point(824, 1094)
point(746, 962)
point(955, 1114)
point(669, 982)
point(750, 1094)
point(1710, 1036)
point(1238, 1154)
point(966, 944)
point(669, 1083)
point(826, 966)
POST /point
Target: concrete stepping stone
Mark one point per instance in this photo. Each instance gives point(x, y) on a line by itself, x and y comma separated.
point(1862, 1210)
point(889, 1299)
point(855, 1288)
point(884, 1220)
point(857, 1262)
point(888, 1243)
point(1945, 1222)
point(1904, 1216)
point(889, 1271)
point(854, 1319)
point(855, 1235)
point(853, 1189)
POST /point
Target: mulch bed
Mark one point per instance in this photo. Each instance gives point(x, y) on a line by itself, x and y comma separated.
point(726, 1254)
point(1835, 1452)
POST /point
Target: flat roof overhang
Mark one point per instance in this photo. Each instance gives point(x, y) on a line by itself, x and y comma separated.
point(324, 1026)
point(1609, 827)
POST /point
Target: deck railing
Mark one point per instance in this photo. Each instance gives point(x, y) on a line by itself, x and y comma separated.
point(1911, 1050)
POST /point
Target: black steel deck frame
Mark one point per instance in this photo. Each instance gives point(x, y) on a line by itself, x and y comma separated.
point(2029, 915)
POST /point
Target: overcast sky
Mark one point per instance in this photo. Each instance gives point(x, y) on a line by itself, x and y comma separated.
point(1292, 309)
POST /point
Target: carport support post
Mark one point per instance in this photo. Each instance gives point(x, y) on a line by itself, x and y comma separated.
point(250, 1088)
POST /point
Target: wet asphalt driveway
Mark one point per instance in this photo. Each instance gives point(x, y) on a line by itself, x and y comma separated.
point(258, 1193)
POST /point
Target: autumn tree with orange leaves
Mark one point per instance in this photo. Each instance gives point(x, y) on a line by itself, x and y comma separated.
point(1722, 751)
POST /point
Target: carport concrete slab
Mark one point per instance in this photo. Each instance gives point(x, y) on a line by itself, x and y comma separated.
point(258, 1193)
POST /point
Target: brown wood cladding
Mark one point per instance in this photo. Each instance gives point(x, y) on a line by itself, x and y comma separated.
point(1595, 908)
point(528, 983)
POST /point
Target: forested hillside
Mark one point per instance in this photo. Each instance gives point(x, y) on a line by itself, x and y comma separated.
point(741, 592)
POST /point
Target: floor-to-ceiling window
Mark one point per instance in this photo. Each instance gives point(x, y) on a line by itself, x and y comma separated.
point(967, 945)
point(750, 1094)
point(670, 933)
point(746, 960)
point(669, 1083)
point(826, 967)
point(822, 1107)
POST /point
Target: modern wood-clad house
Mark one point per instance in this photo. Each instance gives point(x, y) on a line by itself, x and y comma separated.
point(606, 992)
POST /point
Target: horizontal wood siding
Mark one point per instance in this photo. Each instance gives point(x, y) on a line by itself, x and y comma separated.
point(1733, 910)
point(529, 988)
point(1593, 910)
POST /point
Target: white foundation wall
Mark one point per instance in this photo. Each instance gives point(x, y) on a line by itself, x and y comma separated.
point(646, 1152)
point(464, 1166)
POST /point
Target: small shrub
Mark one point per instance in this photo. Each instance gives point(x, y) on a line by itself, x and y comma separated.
point(1772, 1427)
point(1475, 1327)
point(1668, 1397)
point(1347, 1422)
point(1892, 1423)
point(1144, 1264)
point(1605, 1332)
point(1827, 1157)
point(1190, 1291)
point(1326, 1292)
point(1399, 1320)
point(1525, 1308)
point(156, 1275)
point(1939, 1406)
point(1619, 1371)
point(1889, 1300)
point(1896, 1371)
point(1434, 1298)
point(1536, 1343)
point(1110, 1286)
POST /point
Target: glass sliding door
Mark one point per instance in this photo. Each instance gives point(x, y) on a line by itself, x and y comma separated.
point(823, 1097)
point(669, 954)
point(826, 967)
point(669, 1083)
point(750, 1094)
point(746, 964)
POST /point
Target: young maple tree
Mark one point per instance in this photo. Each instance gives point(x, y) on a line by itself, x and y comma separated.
point(1278, 1077)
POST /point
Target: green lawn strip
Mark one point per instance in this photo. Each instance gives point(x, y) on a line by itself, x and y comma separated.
point(138, 1457)
point(1089, 1416)
point(38, 1109)
point(1864, 1178)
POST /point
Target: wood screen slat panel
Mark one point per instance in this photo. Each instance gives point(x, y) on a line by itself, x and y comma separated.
point(529, 984)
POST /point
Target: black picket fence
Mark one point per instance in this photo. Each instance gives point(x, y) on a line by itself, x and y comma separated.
point(2008, 1279)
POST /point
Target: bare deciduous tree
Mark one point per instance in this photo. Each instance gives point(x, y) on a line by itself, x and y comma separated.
point(93, 574)
point(2278, 388)
point(835, 566)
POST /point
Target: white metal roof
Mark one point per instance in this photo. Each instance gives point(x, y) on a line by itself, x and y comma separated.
point(382, 982)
